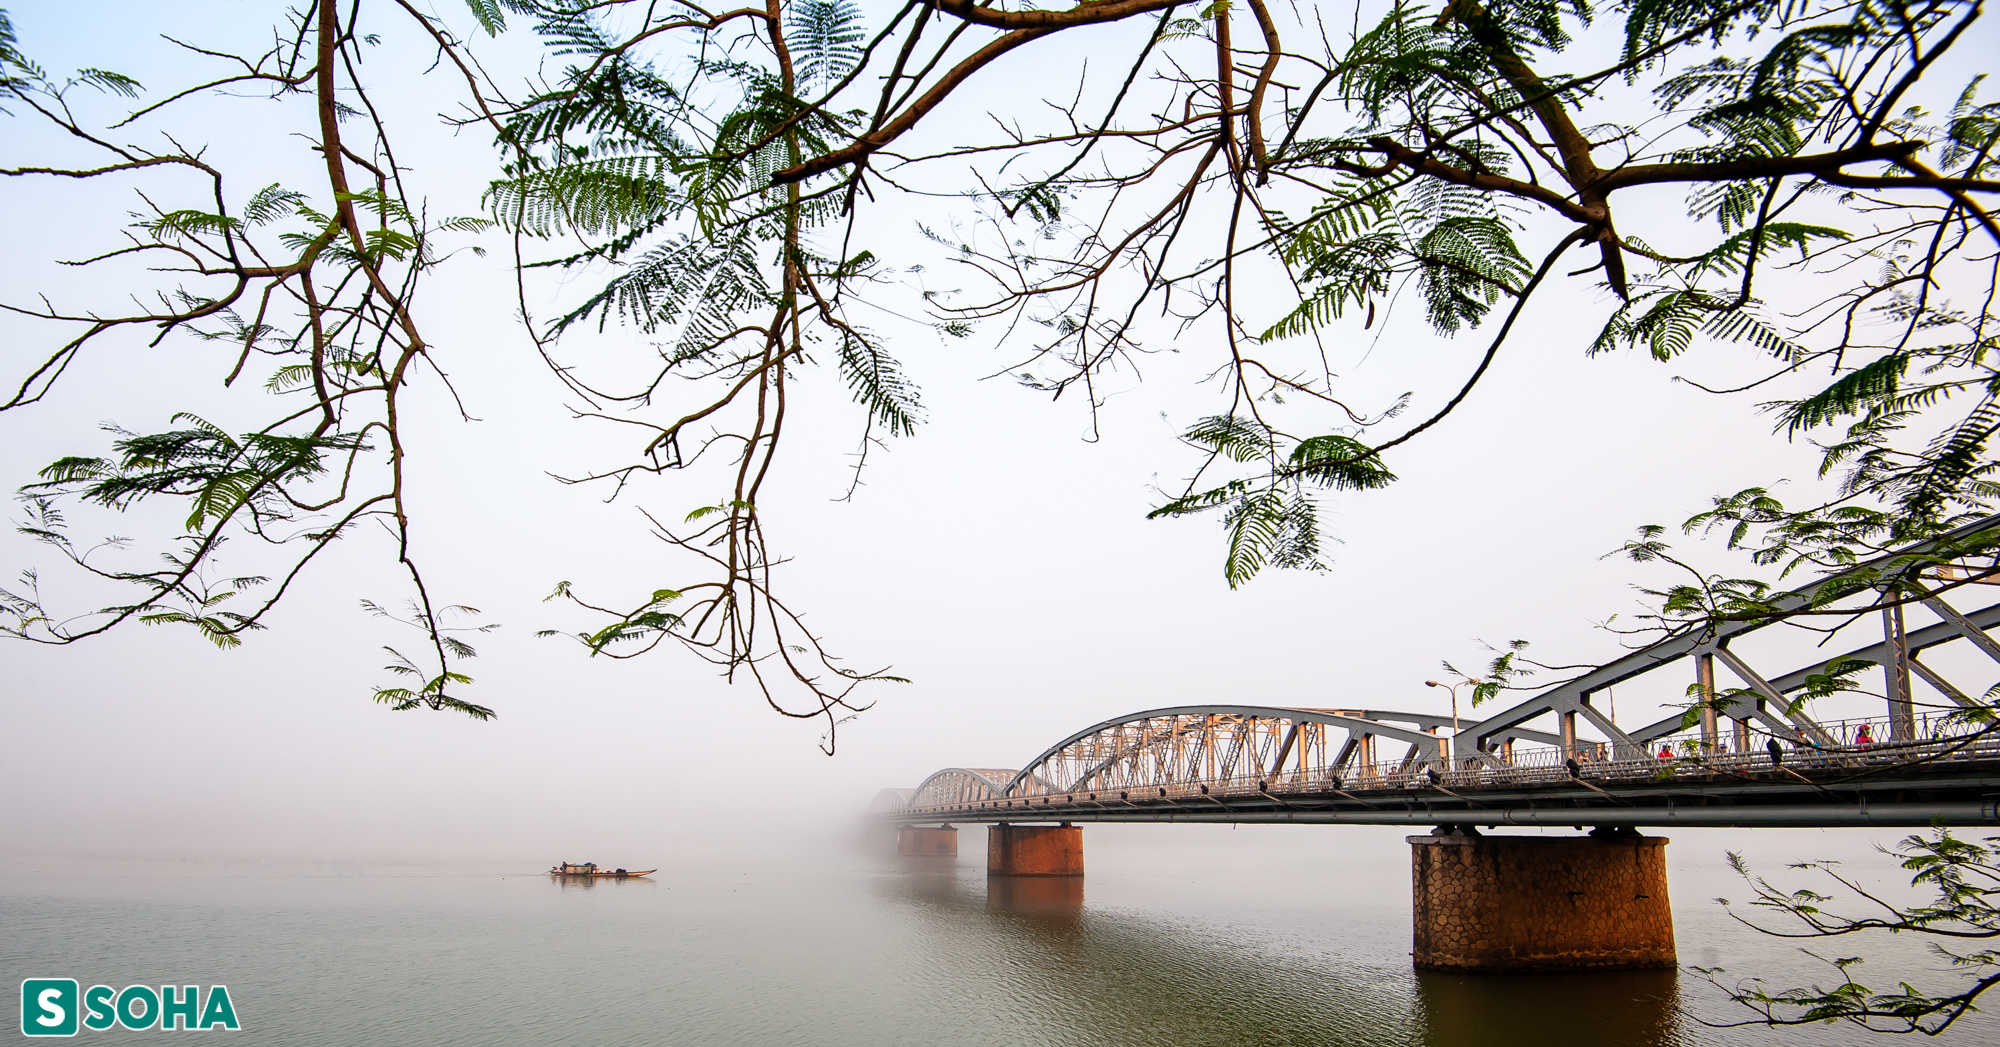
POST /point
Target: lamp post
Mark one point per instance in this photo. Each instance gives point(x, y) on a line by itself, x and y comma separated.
point(1453, 688)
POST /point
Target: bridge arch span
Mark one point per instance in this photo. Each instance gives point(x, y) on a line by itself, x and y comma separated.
point(1161, 749)
point(960, 786)
point(889, 801)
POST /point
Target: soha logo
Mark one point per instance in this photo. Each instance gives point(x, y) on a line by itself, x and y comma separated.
point(53, 1007)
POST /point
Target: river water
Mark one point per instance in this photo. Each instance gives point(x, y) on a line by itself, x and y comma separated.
point(1179, 935)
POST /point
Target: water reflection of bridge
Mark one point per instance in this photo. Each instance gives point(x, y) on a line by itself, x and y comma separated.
point(1124, 975)
point(1745, 754)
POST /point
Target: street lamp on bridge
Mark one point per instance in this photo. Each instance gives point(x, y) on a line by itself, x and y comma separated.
point(1453, 688)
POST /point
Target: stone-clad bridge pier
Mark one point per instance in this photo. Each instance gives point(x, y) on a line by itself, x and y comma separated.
point(1750, 756)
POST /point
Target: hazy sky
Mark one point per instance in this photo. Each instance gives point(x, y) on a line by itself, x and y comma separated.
point(999, 559)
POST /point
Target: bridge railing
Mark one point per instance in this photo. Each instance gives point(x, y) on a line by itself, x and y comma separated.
point(1938, 737)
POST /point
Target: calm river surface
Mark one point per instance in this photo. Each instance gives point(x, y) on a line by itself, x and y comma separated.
point(1180, 935)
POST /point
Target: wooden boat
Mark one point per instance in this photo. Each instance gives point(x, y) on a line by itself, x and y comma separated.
point(591, 869)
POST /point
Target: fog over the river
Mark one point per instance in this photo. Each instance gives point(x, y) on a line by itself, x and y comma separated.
point(1001, 559)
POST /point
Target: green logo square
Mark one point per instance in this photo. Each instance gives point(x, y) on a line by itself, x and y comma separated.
point(48, 1007)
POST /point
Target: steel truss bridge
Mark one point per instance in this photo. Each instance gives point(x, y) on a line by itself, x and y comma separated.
point(1933, 758)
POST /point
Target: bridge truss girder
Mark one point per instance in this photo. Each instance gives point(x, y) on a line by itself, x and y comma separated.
point(1237, 762)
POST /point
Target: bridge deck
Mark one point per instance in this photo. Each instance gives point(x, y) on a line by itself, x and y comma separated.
point(1955, 782)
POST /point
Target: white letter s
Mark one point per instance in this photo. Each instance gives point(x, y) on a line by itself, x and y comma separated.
point(47, 998)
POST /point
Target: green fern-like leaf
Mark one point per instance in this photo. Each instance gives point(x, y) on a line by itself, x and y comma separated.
point(878, 383)
point(825, 37)
point(1850, 394)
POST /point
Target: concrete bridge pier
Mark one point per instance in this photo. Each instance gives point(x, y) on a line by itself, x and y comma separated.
point(1034, 850)
point(939, 842)
point(1539, 903)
